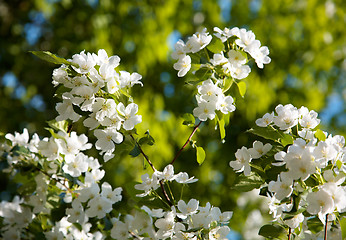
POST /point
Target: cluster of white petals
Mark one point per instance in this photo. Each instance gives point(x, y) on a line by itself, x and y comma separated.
point(210, 98)
point(91, 86)
point(313, 156)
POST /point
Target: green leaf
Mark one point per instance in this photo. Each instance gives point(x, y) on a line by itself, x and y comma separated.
point(272, 231)
point(267, 133)
point(50, 57)
point(286, 139)
point(320, 135)
point(227, 83)
point(242, 88)
point(221, 123)
point(247, 183)
point(315, 225)
point(135, 151)
point(147, 139)
point(189, 119)
point(195, 58)
point(58, 126)
point(343, 227)
point(200, 155)
point(194, 82)
point(216, 45)
point(203, 73)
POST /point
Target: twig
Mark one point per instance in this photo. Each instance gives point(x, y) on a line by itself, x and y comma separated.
point(188, 140)
point(154, 169)
point(144, 155)
point(289, 233)
point(325, 228)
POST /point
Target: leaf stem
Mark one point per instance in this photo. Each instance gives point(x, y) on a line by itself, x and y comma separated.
point(187, 141)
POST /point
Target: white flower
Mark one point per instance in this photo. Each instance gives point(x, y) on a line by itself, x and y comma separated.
point(106, 139)
point(282, 188)
point(98, 207)
point(76, 166)
point(219, 233)
point(218, 59)
point(220, 217)
point(112, 195)
point(295, 221)
point(205, 110)
point(237, 71)
point(147, 184)
point(308, 118)
point(94, 176)
point(246, 39)
point(76, 213)
point(19, 139)
point(287, 116)
point(187, 209)
point(260, 54)
point(120, 230)
point(183, 178)
point(128, 115)
point(242, 161)
point(85, 62)
point(259, 149)
point(165, 226)
point(102, 58)
point(209, 91)
point(319, 202)
point(65, 109)
point(104, 108)
point(236, 57)
point(179, 50)
point(128, 80)
point(226, 33)
point(265, 120)
point(183, 65)
point(89, 192)
point(198, 41)
point(225, 104)
point(167, 173)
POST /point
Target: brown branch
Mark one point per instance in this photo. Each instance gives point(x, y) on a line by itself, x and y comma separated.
point(289, 233)
point(187, 141)
point(152, 166)
point(144, 155)
point(326, 228)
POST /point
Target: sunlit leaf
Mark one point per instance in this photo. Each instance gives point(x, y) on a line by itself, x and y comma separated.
point(200, 155)
point(320, 135)
point(50, 57)
point(273, 231)
point(248, 183)
point(189, 119)
point(242, 88)
point(216, 45)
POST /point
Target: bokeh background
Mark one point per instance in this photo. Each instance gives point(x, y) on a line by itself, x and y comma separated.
point(307, 43)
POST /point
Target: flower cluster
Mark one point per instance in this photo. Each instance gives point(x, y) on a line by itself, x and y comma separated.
point(310, 170)
point(95, 87)
point(222, 60)
point(55, 161)
point(182, 221)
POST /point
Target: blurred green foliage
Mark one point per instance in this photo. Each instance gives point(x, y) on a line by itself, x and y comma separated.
point(306, 38)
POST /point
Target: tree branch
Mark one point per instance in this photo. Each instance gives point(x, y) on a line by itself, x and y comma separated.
point(187, 141)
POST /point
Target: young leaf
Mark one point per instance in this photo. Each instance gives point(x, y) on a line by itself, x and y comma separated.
point(315, 225)
point(343, 227)
point(267, 133)
point(248, 183)
point(135, 151)
point(203, 73)
point(189, 119)
point(147, 139)
point(242, 88)
point(286, 139)
point(272, 231)
point(320, 135)
point(216, 45)
point(221, 123)
point(58, 126)
point(50, 57)
point(227, 83)
point(200, 155)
